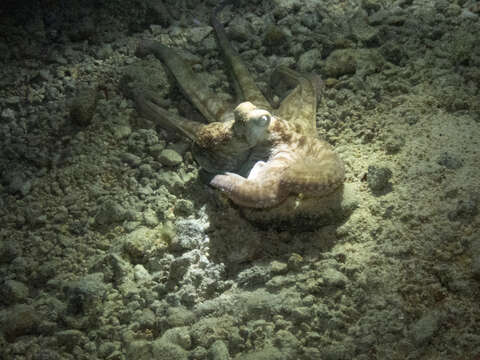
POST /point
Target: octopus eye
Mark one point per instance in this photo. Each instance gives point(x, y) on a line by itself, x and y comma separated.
point(264, 120)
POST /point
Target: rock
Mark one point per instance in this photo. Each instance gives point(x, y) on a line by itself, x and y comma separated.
point(371, 6)
point(141, 274)
point(47, 354)
point(121, 131)
point(394, 143)
point(162, 350)
point(131, 159)
point(157, 13)
point(279, 12)
point(85, 297)
point(114, 269)
point(425, 328)
point(143, 243)
point(180, 147)
point(8, 252)
point(279, 282)
point(18, 182)
point(310, 19)
point(291, 6)
point(178, 268)
point(302, 314)
point(253, 276)
point(179, 316)
point(14, 100)
point(260, 304)
point(267, 353)
point(395, 53)
point(179, 336)
point(295, 261)
point(156, 149)
point(44, 75)
point(475, 251)
point(336, 351)
point(190, 234)
point(278, 267)
point(171, 180)
point(449, 161)
point(378, 178)
point(140, 141)
point(8, 115)
point(199, 33)
point(82, 107)
point(362, 31)
point(146, 319)
point(465, 209)
point(239, 29)
point(108, 348)
point(334, 278)
point(218, 351)
point(150, 218)
point(110, 212)
point(147, 75)
point(70, 338)
point(199, 353)
point(105, 52)
point(286, 341)
point(138, 350)
point(183, 207)
point(274, 36)
point(13, 291)
point(308, 60)
point(146, 171)
point(84, 30)
point(340, 62)
point(378, 17)
point(169, 157)
point(19, 320)
point(208, 330)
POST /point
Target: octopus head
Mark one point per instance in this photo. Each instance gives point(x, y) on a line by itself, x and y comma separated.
point(252, 123)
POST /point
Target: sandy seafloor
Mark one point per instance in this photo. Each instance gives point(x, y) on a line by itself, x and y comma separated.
point(113, 248)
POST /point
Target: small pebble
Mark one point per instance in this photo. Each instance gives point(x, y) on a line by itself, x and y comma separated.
point(378, 178)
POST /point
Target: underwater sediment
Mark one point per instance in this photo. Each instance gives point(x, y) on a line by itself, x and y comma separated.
point(113, 246)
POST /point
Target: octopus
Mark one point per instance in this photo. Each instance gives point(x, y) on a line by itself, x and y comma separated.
point(269, 161)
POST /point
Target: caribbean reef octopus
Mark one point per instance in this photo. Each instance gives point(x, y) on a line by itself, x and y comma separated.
point(268, 161)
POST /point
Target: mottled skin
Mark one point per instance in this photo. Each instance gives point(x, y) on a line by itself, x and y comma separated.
point(297, 163)
point(259, 155)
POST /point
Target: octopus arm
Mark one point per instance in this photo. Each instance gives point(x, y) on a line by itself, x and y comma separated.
point(317, 176)
point(300, 105)
point(243, 83)
point(204, 99)
point(147, 107)
point(262, 188)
